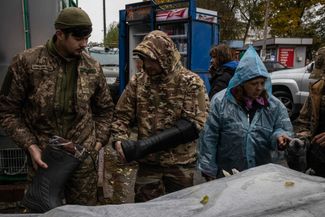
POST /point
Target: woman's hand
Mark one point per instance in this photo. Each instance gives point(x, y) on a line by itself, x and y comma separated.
point(36, 154)
point(283, 142)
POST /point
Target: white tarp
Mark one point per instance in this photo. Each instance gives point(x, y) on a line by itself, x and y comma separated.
point(269, 190)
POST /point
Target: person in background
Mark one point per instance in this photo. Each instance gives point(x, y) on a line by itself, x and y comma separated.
point(58, 91)
point(246, 122)
point(310, 125)
point(155, 100)
point(222, 68)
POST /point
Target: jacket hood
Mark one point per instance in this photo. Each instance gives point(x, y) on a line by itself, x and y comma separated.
point(232, 64)
point(250, 66)
point(159, 46)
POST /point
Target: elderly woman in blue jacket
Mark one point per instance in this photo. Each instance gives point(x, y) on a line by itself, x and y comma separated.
point(246, 122)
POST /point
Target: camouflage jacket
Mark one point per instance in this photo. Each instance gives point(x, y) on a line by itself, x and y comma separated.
point(307, 124)
point(155, 105)
point(28, 108)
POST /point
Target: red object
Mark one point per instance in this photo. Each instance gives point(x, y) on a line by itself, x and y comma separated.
point(175, 14)
point(286, 56)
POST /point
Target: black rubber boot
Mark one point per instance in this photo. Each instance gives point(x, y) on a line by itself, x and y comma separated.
point(183, 132)
point(48, 184)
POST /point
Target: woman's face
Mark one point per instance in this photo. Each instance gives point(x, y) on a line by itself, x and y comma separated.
point(214, 60)
point(254, 88)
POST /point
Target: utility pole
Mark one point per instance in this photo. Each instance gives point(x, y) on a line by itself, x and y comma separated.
point(266, 18)
point(104, 17)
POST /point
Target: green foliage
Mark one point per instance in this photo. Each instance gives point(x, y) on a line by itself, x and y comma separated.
point(252, 14)
point(171, 6)
point(287, 18)
point(230, 26)
point(319, 25)
point(237, 16)
point(299, 18)
point(111, 38)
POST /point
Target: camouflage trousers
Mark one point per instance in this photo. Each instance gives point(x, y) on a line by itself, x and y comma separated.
point(81, 187)
point(118, 179)
point(154, 181)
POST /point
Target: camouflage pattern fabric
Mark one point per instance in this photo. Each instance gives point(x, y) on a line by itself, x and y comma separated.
point(311, 123)
point(156, 103)
point(29, 109)
point(155, 181)
point(308, 120)
point(81, 187)
point(119, 179)
point(28, 105)
point(311, 118)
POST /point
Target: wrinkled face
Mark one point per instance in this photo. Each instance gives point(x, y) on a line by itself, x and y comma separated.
point(151, 66)
point(320, 60)
point(254, 88)
point(71, 46)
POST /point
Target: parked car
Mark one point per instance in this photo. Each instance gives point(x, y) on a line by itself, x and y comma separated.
point(291, 86)
point(109, 60)
point(272, 66)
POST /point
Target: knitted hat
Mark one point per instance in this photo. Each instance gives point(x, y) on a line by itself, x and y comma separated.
point(72, 17)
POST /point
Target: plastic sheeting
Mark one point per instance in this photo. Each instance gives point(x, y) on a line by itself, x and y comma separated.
point(270, 190)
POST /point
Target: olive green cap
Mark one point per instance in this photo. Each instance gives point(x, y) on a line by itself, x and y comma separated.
point(72, 17)
point(319, 67)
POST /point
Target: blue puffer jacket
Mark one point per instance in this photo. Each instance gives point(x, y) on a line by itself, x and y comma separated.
point(229, 140)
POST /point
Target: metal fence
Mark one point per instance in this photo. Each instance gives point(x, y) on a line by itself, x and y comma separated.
point(13, 161)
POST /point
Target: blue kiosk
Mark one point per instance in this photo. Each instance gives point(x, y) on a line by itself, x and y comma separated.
point(194, 31)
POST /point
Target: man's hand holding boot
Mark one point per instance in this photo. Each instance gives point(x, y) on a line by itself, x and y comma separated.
point(119, 150)
point(36, 154)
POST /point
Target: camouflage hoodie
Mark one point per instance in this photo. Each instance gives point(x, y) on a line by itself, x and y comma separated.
point(28, 105)
point(311, 115)
point(156, 104)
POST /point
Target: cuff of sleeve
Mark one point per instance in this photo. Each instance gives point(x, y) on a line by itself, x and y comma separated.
point(275, 136)
point(102, 139)
point(119, 138)
point(29, 143)
point(208, 171)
